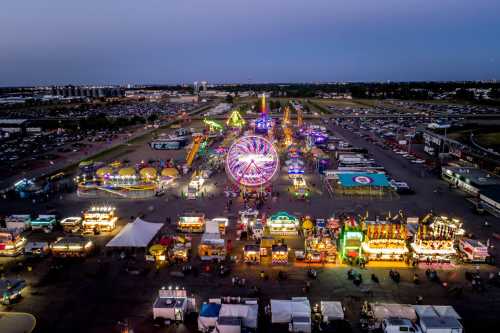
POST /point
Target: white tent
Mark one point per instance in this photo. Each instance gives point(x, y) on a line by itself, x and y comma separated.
point(136, 234)
point(247, 312)
point(281, 311)
point(332, 311)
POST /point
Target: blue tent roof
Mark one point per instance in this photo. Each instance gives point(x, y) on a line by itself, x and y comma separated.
point(210, 310)
point(363, 179)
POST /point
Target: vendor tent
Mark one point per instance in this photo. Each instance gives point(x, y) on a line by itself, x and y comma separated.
point(209, 313)
point(247, 313)
point(281, 311)
point(382, 311)
point(136, 234)
point(332, 311)
point(228, 325)
point(436, 311)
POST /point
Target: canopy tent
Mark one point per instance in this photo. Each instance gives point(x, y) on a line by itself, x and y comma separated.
point(436, 311)
point(228, 325)
point(282, 311)
point(209, 313)
point(136, 234)
point(247, 313)
point(332, 311)
point(382, 311)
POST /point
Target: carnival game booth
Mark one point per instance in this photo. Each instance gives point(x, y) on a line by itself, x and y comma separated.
point(45, 223)
point(320, 249)
point(472, 250)
point(191, 222)
point(361, 183)
point(72, 246)
point(18, 221)
point(385, 240)
point(173, 304)
point(11, 242)
point(99, 218)
point(296, 313)
point(351, 240)
point(279, 254)
point(299, 187)
point(251, 254)
point(283, 224)
point(435, 241)
point(222, 224)
point(71, 224)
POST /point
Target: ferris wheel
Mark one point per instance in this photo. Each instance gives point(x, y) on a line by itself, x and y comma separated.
point(252, 161)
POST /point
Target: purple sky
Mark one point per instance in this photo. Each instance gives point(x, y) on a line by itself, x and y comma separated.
point(171, 41)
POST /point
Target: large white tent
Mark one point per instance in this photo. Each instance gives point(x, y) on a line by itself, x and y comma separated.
point(136, 234)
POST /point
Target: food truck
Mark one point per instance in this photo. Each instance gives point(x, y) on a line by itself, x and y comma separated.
point(435, 241)
point(251, 254)
point(18, 221)
point(172, 304)
point(71, 224)
point(283, 223)
point(385, 240)
point(191, 222)
point(320, 249)
point(45, 223)
point(99, 218)
point(72, 246)
point(223, 223)
point(473, 251)
point(11, 242)
point(211, 247)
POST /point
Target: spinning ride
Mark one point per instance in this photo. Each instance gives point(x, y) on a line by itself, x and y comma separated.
point(252, 161)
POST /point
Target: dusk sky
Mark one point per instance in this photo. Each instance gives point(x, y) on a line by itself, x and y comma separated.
point(171, 41)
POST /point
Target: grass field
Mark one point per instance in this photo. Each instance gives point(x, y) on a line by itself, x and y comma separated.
point(489, 140)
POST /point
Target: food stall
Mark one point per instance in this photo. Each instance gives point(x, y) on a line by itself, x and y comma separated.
point(385, 240)
point(173, 304)
point(158, 252)
point(320, 249)
point(36, 249)
point(212, 247)
point(435, 241)
point(71, 224)
point(11, 242)
point(279, 254)
point(72, 246)
point(251, 254)
point(283, 223)
point(44, 222)
point(247, 218)
point(18, 221)
point(100, 218)
point(266, 244)
point(191, 222)
point(473, 250)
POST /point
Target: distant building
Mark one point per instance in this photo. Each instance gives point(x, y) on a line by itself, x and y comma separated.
point(478, 182)
point(88, 91)
point(184, 99)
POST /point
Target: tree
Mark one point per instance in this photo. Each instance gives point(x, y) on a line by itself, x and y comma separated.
point(229, 99)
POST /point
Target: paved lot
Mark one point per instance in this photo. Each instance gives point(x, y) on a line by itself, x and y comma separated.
point(93, 295)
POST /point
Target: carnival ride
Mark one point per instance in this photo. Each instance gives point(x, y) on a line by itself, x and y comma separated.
point(252, 161)
point(197, 141)
point(235, 120)
point(213, 125)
